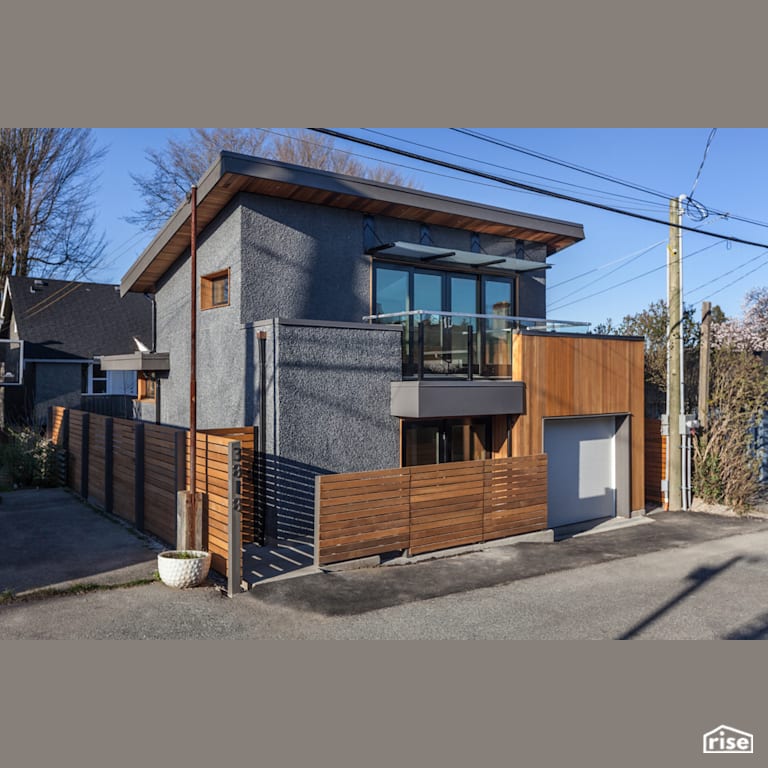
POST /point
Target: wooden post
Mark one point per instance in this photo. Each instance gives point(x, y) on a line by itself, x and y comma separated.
point(234, 527)
point(138, 475)
point(109, 495)
point(84, 457)
point(704, 351)
point(674, 372)
point(316, 547)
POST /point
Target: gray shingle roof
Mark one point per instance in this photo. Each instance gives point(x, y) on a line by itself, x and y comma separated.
point(62, 319)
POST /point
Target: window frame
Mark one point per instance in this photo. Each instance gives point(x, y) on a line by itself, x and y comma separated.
point(146, 387)
point(445, 452)
point(207, 288)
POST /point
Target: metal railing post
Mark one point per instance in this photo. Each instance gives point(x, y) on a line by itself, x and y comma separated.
point(470, 352)
point(420, 350)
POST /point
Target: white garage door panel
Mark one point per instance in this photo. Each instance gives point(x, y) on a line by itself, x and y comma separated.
point(582, 469)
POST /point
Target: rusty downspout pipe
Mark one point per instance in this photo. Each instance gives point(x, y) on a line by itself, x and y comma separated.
point(193, 349)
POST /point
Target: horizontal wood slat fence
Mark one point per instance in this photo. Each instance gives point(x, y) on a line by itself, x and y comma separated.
point(135, 469)
point(655, 461)
point(426, 508)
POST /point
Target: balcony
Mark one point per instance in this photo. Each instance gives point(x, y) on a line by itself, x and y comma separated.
point(464, 345)
point(461, 364)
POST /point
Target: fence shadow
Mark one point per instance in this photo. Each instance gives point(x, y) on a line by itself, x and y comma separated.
point(287, 499)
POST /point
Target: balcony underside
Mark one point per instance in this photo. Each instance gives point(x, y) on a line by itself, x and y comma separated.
point(440, 398)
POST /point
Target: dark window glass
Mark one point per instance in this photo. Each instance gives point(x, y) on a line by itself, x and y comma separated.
point(437, 442)
point(220, 290)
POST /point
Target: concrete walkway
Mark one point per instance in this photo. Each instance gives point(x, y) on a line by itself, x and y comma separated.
point(52, 539)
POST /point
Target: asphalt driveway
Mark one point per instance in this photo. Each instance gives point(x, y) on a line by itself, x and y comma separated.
point(532, 589)
point(51, 539)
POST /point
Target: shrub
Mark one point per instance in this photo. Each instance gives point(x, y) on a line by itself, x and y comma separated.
point(28, 459)
point(726, 464)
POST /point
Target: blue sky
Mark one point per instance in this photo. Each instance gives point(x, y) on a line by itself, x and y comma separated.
point(602, 277)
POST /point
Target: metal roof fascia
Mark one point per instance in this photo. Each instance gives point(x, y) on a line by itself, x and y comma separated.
point(274, 170)
point(207, 182)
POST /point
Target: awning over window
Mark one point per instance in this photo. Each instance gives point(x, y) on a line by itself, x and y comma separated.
point(137, 361)
point(427, 253)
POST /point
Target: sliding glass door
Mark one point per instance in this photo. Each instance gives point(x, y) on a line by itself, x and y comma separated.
point(402, 288)
point(445, 440)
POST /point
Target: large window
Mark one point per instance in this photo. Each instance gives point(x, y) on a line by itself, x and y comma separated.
point(444, 440)
point(401, 288)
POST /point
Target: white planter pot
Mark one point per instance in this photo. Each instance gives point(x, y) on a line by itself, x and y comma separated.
point(183, 571)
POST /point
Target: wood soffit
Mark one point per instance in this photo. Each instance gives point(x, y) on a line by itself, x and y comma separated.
point(221, 185)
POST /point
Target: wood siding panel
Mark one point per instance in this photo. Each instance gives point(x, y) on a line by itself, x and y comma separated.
point(97, 492)
point(655, 461)
point(75, 451)
point(160, 466)
point(356, 528)
point(427, 508)
point(581, 376)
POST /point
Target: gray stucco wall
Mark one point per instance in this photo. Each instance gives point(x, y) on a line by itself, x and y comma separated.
point(329, 412)
point(56, 384)
point(221, 344)
point(306, 261)
point(302, 261)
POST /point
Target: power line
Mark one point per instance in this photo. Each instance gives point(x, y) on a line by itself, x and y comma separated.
point(625, 262)
point(530, 188)
point(739, 279)
point(703, 160)
point(601, 192)
point(558, 306)
point(557, 161)
point(730, 272)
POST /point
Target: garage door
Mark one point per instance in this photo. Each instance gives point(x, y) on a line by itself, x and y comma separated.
point(582, 469)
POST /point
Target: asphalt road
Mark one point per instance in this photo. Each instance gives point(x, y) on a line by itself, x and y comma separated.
point(681, 576)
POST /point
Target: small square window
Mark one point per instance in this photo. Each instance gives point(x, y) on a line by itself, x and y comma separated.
point(214, 290)
point(147, 387)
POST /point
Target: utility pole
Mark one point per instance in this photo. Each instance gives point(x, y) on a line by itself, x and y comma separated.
point(674, 357)
point(704, 347)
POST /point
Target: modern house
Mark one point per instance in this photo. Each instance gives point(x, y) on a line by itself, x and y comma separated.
point(362, 326)
point(65, 326)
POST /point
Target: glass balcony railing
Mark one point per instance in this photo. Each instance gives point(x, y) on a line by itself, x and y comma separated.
point(464, 345)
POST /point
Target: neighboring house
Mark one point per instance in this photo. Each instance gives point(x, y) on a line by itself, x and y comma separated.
point(65, 327)
point(309, 286)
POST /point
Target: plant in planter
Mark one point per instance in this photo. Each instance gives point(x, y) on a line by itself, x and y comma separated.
point(182, 568)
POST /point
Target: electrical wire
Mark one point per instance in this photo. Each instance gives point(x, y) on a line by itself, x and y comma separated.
point(564, 163)
point(634, 257)
point(499, 142)
point(601, 192)
point(730, 272)
point(739, 279)
point(530, 188)
point(703, 160)
point(558, 306)
point(71, 285)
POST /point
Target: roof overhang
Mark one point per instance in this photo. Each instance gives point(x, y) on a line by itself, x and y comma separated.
point(430, 253)
point(137, 361)
point(233, 173)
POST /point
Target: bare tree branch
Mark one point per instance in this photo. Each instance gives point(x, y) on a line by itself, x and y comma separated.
point(180, 164)
point(46, 186)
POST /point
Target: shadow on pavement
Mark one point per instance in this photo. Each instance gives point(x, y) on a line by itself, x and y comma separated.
point(355, 592)
point(51, 538)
